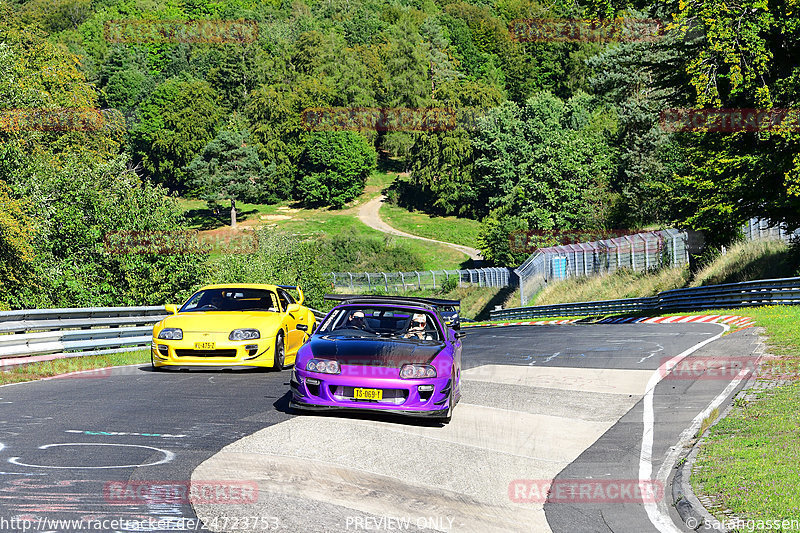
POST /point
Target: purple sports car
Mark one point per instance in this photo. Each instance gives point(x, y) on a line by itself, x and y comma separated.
point(380, 353)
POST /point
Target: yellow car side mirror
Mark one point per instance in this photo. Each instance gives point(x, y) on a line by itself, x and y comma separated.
point(293, 308)
point(171, 309)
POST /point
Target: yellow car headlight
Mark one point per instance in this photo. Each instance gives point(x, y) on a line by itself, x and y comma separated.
point(171, 334)
point(244, 334)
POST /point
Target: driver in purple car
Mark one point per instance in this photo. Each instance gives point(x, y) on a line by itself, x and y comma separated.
point(356, 320)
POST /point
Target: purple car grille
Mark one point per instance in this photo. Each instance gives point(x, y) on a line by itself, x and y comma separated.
point(390, 396)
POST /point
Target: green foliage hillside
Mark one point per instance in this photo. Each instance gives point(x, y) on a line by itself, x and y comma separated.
point(566, 135)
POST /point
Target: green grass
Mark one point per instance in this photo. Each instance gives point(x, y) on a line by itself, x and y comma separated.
point(620, 284)
point(462, 231)
point(311, 223)
point(749, 462)
point(34, 371)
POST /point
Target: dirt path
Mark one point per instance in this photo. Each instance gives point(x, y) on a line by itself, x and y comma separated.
point(369, 215)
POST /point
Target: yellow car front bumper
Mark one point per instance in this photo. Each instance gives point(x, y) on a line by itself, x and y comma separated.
point(253, 353)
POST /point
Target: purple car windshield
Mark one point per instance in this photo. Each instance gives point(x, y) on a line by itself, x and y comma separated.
point(370, 322)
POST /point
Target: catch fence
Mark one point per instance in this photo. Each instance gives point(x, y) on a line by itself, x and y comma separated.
point(757, 228)
point(639, 252)
point(398, 282)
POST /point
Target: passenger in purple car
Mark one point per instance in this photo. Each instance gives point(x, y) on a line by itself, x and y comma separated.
point(417, 328)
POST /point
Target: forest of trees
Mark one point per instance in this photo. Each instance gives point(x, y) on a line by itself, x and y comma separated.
point(570, 137)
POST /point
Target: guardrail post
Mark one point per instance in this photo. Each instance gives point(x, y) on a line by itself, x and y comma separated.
point(403, 280)
point(419, 280)
point(351, 280)
point(674, 250)
point(386, 281)
point(434, 278)
point(369, 283)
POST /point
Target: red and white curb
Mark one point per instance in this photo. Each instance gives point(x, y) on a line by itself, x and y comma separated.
point(732, 320)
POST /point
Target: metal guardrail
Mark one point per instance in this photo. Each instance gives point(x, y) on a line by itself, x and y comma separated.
point(74, 332)
point(423, 279)
point(785, 291)
point(69, 332)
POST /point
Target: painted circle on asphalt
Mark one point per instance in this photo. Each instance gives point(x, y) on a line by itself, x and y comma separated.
point(167, 456)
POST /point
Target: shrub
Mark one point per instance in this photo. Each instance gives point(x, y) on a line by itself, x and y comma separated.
point(334, 167)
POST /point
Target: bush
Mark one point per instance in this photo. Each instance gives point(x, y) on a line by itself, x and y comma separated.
point(77, 206)
point(280, 259)
point(351, 252)
point(334, 167)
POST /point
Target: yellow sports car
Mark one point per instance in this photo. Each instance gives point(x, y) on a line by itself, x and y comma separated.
point(249, 325)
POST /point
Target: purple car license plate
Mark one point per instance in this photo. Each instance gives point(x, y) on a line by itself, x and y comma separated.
point(367, 394)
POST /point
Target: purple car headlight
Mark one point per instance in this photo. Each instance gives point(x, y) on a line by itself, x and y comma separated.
point(326, 366)
point(417, 371)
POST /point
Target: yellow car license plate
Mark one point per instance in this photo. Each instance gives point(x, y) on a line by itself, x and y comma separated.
point(367, 394)
point(204, 345)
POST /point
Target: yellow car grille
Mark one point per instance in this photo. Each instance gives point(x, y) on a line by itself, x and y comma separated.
point(205, 353)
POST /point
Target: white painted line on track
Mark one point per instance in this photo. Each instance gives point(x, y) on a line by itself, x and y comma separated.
point(688, 434)
point(168, 456)
point(660, 520)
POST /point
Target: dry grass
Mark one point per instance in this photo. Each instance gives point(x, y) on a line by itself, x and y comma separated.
point(745, 261)
point(57, 367)
point(749, 260)
point(476, 302)
point(620, 284)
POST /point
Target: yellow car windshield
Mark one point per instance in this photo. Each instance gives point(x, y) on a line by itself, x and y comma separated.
point(234, 299)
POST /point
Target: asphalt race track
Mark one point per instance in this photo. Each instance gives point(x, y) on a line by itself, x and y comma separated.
point(567, 403)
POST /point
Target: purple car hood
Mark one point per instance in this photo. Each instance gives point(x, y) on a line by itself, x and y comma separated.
point(378, 352)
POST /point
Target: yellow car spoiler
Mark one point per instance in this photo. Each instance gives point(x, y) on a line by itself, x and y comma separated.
point(295, 288)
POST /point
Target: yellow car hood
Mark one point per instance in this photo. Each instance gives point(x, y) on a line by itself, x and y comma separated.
point(224, 321)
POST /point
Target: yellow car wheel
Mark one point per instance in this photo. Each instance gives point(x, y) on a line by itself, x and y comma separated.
point(280, 352)
point(153, 363)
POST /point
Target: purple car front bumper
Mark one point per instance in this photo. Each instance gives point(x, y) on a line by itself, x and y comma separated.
point(428, 397)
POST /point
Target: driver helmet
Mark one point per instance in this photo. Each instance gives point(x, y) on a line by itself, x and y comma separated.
point(357, 316)
point(418, 323)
